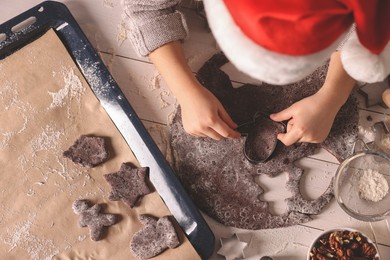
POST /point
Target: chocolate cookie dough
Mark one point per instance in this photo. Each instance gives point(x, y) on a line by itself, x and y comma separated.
point(154, 238)
point(89, 151)
point(128, 184)
point(220, 179)
point(93, 218)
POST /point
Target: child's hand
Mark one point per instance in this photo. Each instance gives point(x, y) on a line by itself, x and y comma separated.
point(309, 120)
point(204, 116)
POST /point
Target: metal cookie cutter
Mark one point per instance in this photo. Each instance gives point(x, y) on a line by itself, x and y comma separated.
point(248, 129)
point(232, 248)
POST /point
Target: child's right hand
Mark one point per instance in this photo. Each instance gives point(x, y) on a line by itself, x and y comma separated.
point(204, 116)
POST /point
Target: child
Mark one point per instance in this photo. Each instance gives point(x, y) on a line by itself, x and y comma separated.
point(276, 41)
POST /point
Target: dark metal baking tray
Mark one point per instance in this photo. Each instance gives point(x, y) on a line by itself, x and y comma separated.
point(54, 15)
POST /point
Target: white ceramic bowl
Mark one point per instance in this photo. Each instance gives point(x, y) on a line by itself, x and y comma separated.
point(329, 231)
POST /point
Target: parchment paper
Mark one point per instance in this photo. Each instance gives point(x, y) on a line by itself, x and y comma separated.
point(45, 106)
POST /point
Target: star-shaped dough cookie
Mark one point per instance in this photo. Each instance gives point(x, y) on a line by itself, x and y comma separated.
point(128, 184)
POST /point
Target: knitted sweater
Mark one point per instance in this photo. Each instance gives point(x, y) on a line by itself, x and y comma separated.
point(153, 23)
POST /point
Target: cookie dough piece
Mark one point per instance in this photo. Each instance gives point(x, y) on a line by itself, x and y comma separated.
point(261, 141)
point(154, 238)
point(89, 151)
point(91, 217)
point(128, 184)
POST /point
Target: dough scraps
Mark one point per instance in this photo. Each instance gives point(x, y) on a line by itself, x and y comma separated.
point(128, 184)
point(154, 238)
point(92, 217)
point(220, 179)
point(89, 151)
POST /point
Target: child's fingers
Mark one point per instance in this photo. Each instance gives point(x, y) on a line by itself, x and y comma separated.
point(212, 134)
point(290, 137)
point(282, 115)
point(227, 119)
point(226, 126)
point(224, 130)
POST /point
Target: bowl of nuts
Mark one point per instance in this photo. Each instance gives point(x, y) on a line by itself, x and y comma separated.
point(342, 243)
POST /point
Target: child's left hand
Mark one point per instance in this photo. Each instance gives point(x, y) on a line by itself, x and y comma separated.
point(309, 120)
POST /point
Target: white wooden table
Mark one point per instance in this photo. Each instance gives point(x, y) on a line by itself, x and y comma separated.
point(101, 21)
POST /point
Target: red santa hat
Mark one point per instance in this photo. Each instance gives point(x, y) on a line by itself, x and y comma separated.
point(282, 41)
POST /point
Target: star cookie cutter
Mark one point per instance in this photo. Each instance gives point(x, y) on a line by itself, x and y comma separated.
point(232, 248)
point(247, 129)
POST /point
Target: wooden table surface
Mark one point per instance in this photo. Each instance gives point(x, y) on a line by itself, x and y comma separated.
point(102, 22)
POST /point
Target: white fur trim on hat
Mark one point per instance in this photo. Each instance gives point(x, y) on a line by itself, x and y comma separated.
point(254, 60)
point(363, 65)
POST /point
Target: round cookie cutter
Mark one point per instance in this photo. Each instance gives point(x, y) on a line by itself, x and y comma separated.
point(246, 128)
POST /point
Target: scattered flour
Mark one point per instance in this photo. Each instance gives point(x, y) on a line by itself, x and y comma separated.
point(82, 237)
point(21, 237)
point(47, 140)
point(73, 89)
point(122, 33)
point(11, 104)
point(162, 98)
point(5, 140)
point(386, 143)
point(373, 186)
point(108, 3)
point(155, 81)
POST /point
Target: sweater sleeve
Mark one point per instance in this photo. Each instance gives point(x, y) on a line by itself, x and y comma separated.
point(153, 23)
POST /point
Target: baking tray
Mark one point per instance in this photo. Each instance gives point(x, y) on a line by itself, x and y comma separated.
point(30, 25)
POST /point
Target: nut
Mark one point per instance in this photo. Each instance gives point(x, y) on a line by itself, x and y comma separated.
point(368, 250)
point(343, 245)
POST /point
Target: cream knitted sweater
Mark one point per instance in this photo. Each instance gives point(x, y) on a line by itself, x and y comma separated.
point(153, 23)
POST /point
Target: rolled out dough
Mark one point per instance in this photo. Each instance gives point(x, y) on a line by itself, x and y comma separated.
point(220, 179)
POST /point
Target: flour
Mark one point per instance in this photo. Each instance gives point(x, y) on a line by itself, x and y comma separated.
point(92, 75)
point(163, 103)
point(11, 105)
point(122, 33)
point(20, 236)
point(373, 186)
point(47, 140)
point(385, 144)
point(5, 140)
point(73, 89)
point(108, 3)
point(155, 81)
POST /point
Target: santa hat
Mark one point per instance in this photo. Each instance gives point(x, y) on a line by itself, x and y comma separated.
point(282, 41)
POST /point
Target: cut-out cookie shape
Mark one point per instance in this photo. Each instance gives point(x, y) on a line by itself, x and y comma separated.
point(261, 137)
point(128, 184)
point(89, 151)
point(93, 218)
point(220, 179)
point(154, 238)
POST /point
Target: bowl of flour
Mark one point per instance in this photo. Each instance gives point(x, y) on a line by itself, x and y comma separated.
point(361, 185)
